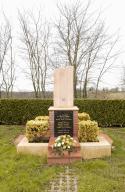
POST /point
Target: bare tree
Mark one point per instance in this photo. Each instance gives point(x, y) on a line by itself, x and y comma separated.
point(107, 62)
point(81, 42)
point(124, 76)
point(100, 58)
point(90, 60)
point(6, 57)
point(5, 35)
point(72, 36)
point(8, 72)
point(123, 79)
point(35, 38)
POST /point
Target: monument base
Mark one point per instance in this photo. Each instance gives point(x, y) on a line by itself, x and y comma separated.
point(66, 158)
point(54, 125)
point(89, 150)
point(24, 147)
point(63, 121)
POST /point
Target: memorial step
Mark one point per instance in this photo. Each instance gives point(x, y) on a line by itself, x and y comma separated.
point(65, 158)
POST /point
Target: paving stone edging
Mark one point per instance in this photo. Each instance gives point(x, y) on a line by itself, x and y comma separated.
point(65, 182)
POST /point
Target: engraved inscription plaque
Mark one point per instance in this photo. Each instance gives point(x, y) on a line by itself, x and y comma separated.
point(63, 123)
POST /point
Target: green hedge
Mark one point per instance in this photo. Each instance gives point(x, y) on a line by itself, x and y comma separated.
point(18, 111)
point(105, 112)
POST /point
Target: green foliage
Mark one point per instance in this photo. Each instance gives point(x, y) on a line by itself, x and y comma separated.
point(22, 173)
point(106, 112)
point(42, 118)
point(18, 111)
point(83, 116)
point(88, 131)
point(37, 130)
point(28, 173)
point(108, 174)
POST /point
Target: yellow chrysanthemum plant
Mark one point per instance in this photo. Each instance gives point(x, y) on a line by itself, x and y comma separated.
point(64, 143)
point(42, 118)
point(83, 116)
point(37, 130)
point(88, 131)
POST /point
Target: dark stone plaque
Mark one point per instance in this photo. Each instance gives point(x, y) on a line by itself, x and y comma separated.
point(63, 123)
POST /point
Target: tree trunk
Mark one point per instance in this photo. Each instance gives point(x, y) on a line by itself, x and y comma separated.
point(0, 93)
point(85, 89)
point(96, 91)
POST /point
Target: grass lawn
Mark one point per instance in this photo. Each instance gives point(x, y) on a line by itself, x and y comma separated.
point(108, 174)
point(26, 173)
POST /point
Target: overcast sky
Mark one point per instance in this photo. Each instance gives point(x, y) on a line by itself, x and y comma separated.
point(113, 14)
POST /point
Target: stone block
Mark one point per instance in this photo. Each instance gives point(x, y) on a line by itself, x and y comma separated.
point(32, 148)
point(90, 150)
point(66, 158)
point(63, 87)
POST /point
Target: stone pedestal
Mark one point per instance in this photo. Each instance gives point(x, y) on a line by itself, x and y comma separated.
point(66, 158)
point(53, 110)
point(88, 150)
point(63, 116)
point(63, 121)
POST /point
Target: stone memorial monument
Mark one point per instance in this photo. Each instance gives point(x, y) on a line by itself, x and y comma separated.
point(63, 116)
point(63, 120)
point(63, 87)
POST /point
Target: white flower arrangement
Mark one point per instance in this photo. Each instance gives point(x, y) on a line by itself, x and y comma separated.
point(64, 143)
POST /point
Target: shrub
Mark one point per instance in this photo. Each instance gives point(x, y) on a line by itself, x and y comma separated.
point(106, 112)
point(83, 116)
point(42, 118)
point(19, 111)
point(37, 130)
point(88, 131)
